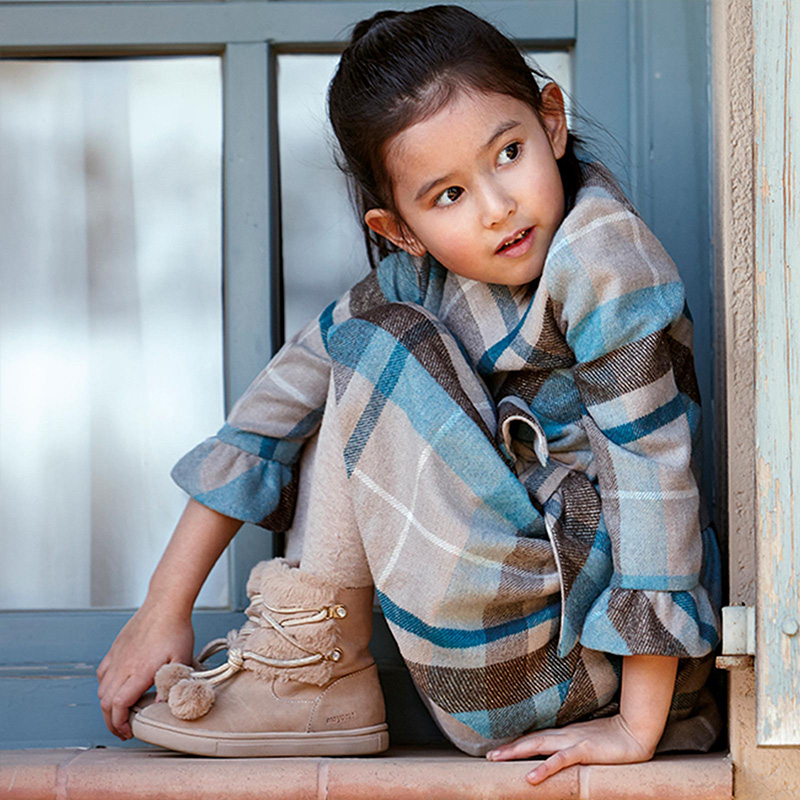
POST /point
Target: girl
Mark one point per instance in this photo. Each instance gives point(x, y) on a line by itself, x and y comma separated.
point(503, 419)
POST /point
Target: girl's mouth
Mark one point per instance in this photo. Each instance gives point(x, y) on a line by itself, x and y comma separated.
point(519, 245)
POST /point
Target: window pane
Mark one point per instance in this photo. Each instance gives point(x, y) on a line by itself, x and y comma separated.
point(323, 248)
point(110, 319)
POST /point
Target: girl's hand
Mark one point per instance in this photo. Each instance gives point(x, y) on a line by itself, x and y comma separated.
point(627, 738)
point(149, 639)
point(610, 740)
point(161, 630)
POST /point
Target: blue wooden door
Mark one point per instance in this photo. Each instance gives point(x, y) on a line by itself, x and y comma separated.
point(639, 69)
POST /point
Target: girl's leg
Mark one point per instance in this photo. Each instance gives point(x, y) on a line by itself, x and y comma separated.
point(332, 547)
point(331, 543)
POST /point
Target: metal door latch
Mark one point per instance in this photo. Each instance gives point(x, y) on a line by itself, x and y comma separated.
point(738, 637)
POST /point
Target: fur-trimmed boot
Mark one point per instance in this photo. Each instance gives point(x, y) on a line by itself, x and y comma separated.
point(299, 679)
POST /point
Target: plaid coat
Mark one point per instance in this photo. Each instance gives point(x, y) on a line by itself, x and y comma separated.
point(592, 401)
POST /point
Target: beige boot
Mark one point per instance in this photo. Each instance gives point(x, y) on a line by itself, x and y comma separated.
point(299, 679)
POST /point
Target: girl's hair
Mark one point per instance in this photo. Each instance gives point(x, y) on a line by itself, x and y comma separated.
point(401, 68)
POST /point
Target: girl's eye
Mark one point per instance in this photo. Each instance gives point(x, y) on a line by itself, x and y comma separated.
point(449, 196)
point(509, 153)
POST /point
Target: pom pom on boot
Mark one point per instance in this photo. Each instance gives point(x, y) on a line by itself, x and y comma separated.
point(191, 698)
point(169, 675)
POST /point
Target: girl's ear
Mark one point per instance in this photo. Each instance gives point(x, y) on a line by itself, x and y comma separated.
point(386, 224)
point(554, 119)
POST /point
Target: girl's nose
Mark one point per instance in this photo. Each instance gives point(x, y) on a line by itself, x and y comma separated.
point(498, 205)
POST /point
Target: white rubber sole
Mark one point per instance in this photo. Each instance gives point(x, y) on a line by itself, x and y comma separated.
point(358, 741)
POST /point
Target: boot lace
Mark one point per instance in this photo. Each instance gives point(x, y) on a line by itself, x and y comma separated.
point(260, 613)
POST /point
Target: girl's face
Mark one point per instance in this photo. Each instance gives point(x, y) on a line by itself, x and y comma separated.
point(477, 186)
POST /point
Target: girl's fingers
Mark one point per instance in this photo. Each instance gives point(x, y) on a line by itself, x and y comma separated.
point(106, 695)
point(127, 694)
point(542, 742)
point(119, 711)
point(119, 719)
point(108, 679)
point(557, 762)
point(113, 694)
point(521, 748)
point(532, 745)
point(108, 687)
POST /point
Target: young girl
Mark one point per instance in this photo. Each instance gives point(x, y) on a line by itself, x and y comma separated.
point(501, 419)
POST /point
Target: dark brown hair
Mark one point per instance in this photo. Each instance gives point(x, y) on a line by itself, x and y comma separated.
point(403, 67)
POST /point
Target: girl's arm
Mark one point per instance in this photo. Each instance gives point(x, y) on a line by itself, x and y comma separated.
point(631, 736)
point(161, 630)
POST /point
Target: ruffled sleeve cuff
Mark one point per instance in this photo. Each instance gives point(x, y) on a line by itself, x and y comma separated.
point(643, 622)
point(240, 483)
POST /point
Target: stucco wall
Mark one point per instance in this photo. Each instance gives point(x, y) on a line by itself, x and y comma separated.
point(760, 772)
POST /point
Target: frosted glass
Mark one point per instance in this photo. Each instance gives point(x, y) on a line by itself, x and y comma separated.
point(323, 248)
point(110, 319)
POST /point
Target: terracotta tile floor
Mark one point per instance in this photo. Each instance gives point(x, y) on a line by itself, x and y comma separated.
point(399, 774)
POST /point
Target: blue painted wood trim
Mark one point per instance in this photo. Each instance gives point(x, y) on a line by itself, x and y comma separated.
point(61, 637)
point(776, 29)
point(212, 25)
point(602, 93)
point(247, 232)
point(250, 254)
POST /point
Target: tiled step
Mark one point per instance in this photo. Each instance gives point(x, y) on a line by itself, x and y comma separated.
point(399, 774)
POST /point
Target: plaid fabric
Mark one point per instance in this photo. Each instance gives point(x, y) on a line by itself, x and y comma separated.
point(522, 464)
